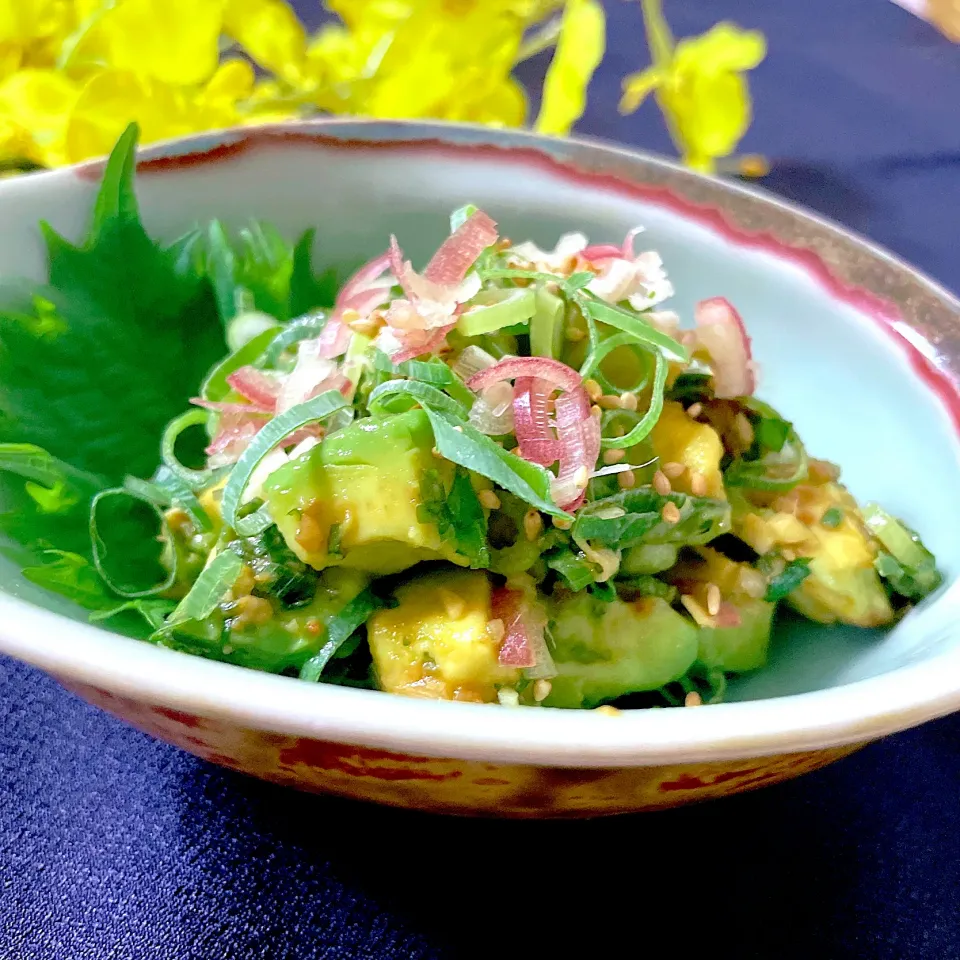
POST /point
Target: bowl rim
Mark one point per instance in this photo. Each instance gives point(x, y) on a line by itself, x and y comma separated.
point(850, 713)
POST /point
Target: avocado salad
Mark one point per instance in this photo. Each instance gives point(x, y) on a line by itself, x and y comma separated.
point(510, 477)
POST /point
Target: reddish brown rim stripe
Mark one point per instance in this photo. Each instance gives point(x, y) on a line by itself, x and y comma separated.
point(885, 312)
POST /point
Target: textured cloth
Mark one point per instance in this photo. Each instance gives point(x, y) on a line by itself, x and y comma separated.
point(116, 847)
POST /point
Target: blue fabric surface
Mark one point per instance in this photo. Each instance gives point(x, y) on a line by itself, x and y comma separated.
point(115, 846)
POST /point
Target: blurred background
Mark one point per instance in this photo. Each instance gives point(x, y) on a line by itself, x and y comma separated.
point(747, 88)
point(113, 845)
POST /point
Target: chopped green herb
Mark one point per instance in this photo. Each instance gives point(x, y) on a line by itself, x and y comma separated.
point(832, 517)
point(784, 583)
point(636, 516)
point(577, 572)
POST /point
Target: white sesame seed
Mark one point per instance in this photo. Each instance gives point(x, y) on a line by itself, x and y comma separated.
point(489, 499)
point(698, 484)
point(532, 525)
point(670, 513)
point(594, 390)
point(607, 711)
point(673, 469)
point(614, 455)
point(694, 410)
point(661, 484)
point(541, 690)
point(693, 699)
point(713, 599)
point(628, 401)
point(700, 616)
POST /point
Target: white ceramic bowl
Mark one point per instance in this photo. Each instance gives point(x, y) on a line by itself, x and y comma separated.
point(858, 349)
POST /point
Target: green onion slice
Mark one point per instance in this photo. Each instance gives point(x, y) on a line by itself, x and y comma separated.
point(353, 616)
point(422, 393)
point(319, 408)
point(116, 531)
point(167, 488)
point(216, 578)
point(303, 328)
point(649, 420)
point(497, 309)
point(195, 479)
point(592, 367)
point(776, 472)
point(215, 387)
point(632, 323)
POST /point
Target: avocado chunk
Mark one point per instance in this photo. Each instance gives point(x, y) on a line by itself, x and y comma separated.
point(737, 638)
point(605, 649)
point(822, 523)
point(257, 632)
point(436, 643)
point(355, 499)
point(740, 648)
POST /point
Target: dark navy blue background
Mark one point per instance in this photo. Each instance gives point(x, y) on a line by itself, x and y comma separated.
point(115, 847)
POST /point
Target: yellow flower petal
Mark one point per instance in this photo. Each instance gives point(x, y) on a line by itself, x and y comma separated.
point(40, 101)
point(24, 20)
point(234, 80)
point(638, 86)
point(16, 144)
point(579, 52)
point(505, 105)
point(174, 41)
point(111, 100)
point(716, 113)
point(723, 47)
point(11, 58)
point(270, 32)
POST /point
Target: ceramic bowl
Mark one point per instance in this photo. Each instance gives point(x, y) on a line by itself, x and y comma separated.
point(859, 350)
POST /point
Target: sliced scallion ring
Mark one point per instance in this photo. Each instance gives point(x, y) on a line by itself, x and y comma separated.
point(649, 420)
point(775, 472)
point(593, 366)
point(195, 479)
point(632, 323)
point(303, 328)
point(215, 387)
point(421, 393)
point(121, 578)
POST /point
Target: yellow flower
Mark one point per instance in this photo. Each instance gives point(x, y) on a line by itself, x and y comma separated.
point(31, 32)
point(270, 33)
point(579, 51)
point(75, 73)
point(699, 85)
point(34, 108)
point(173, 41)
point(446, 59)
